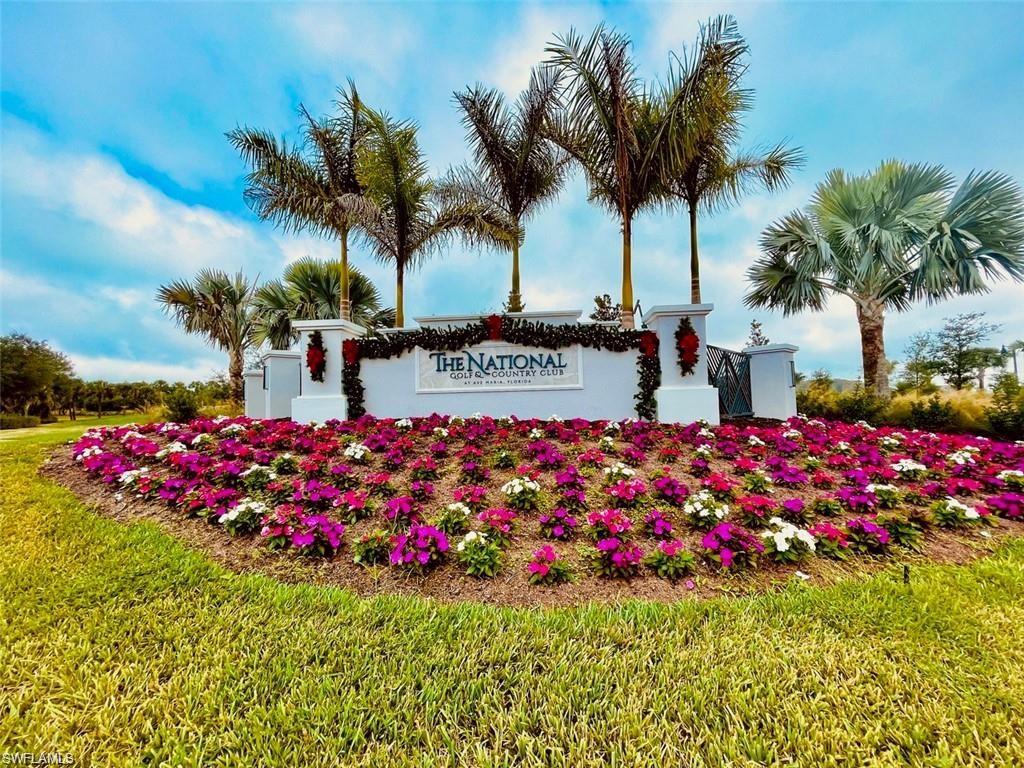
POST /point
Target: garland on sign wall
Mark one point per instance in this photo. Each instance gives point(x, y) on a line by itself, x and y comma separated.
point(316, 356)
point(687, 344)
point(515, 331)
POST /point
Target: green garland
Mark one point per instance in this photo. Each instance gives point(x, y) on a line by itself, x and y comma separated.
point(516, 331)
point(687, 346)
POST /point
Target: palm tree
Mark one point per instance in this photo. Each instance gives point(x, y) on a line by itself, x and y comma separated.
point(309, 291)
point(218, 306)
point(311, 187)
point(412, 220)
point(705, 105)
point(886, 239)
point(611, 126)
point(516, 169)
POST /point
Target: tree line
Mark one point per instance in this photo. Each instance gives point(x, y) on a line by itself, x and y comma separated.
point(38, 381)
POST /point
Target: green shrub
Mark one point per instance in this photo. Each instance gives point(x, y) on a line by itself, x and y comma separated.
point(17, 421)
point(1006, 413)
point(933, 415)
point(180, 405)
point(818, 399)
point(860, 404)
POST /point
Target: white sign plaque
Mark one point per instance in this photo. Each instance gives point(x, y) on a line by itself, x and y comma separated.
point(499, 366)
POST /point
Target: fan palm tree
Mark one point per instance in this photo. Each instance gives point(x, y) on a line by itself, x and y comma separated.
point(308, 290)
point(610, 125)
point(312, 186)
point(516, 169)
point(887, 239)
point(411, 219)
point(218, 306)
point(705, 105)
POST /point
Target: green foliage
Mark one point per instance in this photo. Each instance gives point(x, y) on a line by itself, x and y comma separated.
point(957, 352)
point(606, 310)
point(299, 674)
point(1006, 413)
point(920, 366)
point(860, 404)
point(671, 566)
point(30, 372)
point(180, 405)
point(18, 421)
point(819, 399)
point(480, 554)
point(932, 415)
point(373, 548)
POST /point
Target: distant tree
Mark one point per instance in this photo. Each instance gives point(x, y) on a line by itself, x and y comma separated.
point(887, 239)
point(957, 348)
point(757, 337)
point(29, 371)
point(984, 359)
point(605, 310)
point(920, 367)
point(220, 307)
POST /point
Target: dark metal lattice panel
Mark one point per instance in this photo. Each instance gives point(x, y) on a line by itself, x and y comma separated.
point(729, 371)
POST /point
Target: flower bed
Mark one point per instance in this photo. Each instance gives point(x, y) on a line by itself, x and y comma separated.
point(602, 505)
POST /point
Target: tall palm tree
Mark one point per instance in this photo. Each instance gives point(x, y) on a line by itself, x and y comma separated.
point(218, 306)
point(886, 239)
point(312, 186)
point(516, 169)
point(308, 290)
point(610, 125)
point(705, 105)
point(411, 219)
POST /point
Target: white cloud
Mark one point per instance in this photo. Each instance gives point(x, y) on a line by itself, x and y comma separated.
point(91, 367)
point(517, 53)
point(142, 226)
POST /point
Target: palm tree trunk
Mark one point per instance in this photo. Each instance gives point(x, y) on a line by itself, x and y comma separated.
point(515, 299)
point(236, 382)
point(694, 258)
point(400, 297)
point(626, 314)
point(871, 319)
point(344, 305)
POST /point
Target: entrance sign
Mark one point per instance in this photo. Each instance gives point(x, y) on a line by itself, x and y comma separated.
point(499, 366)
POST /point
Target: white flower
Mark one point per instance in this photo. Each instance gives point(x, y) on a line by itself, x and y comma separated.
point(440, 432)
point(519, 485)
point(201, 438)
point(404, 423)
point(129, 477)
point(782, 533)
point(460, 508)
point(612, 427)
point(535, 434)
point(92, 450)
point(619, 471)
point(908, 466)
point(118, 496)
point(962, 457)
point(356, 451)
point(471, 538)
point(703, 505)
point(704, 451)
point(865, 426)
point(842, 446)
point(1006, 474)
point(792, 434)
point(756, 441)
point(705, 433)
point(554, 417)
point(175, 447)
point(232, 429)
point(131, 434)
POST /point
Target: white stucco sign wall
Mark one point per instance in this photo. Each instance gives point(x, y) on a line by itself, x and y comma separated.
point(498, 366)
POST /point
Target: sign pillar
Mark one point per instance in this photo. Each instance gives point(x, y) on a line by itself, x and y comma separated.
point(319, 401)
point(682, 398)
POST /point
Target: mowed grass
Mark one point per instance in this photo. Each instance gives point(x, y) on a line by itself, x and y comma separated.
point(123, 647)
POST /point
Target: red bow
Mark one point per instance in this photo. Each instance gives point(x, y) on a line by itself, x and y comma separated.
point(493, 327)
point(649, 344)
point(350, 351)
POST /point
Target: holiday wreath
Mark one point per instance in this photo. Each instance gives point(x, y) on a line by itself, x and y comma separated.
point(316, 356)
point(516, 331)
point(687, 344)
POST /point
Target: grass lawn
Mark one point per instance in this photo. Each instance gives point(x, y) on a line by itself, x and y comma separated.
point(121, 646)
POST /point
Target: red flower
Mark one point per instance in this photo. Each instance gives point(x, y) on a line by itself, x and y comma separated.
point(688, 347)
point(649, 344)
point(314, 358)
point(493, 323)
point(350, 351)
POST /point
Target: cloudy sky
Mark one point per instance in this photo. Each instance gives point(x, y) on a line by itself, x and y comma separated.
point(117, 177)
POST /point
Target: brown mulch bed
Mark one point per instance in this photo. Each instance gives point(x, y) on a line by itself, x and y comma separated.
point(449, 583)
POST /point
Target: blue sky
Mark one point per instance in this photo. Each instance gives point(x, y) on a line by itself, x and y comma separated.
point(117, 177)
